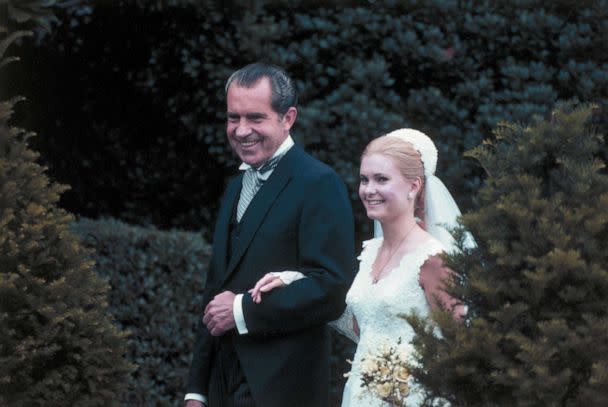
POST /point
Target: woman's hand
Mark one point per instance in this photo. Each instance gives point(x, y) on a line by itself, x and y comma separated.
point(265, 284)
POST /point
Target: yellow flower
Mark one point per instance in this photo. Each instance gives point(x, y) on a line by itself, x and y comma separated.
point(404, 389)
point(384, 390)
point(401, 373)
point(384, 371)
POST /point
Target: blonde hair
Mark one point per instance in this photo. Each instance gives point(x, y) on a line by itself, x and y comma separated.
point(407, 160)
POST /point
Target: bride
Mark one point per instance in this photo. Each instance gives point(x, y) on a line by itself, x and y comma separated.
point(401, 269)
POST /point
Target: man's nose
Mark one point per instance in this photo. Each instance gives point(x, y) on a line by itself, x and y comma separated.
point(242, 129)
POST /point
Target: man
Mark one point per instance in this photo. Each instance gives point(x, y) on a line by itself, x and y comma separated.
point(287, 212)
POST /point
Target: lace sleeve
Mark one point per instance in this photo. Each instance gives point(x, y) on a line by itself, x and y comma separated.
point(344, 325)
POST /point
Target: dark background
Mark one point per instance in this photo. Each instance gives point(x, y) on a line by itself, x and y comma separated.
point(128, 103)
point(127, 97)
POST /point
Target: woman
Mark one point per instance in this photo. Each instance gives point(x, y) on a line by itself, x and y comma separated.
point(400, 269)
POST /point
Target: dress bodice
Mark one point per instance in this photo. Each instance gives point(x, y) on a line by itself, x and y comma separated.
point(377, 307)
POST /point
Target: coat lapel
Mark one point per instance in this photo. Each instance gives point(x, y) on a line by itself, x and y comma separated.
point(221, 236)
point(260, 205)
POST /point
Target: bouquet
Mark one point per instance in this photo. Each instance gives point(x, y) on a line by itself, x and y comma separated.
point(385, 373)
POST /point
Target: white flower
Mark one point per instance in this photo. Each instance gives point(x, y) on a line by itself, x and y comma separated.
point(369, 365)
point(405, 352)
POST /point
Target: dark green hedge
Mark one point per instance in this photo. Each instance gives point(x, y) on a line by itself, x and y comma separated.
point(142, 115)
point(156, 281)
point(103, 130)
point(536, 284)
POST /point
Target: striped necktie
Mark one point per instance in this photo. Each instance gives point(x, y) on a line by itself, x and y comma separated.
point(252, 182)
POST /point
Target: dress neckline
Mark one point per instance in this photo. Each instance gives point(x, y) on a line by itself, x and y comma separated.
point(390, 272)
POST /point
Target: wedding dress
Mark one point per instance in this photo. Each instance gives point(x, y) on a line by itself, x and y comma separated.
point(377, 307)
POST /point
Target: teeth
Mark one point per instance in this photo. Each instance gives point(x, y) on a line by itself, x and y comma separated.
point(248, 143)
point(374, 202)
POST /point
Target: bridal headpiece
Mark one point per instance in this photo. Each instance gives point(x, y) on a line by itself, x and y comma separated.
point(441, 211)
point(423, 144)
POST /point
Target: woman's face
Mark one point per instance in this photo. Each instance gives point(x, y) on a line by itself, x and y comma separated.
point(382, 188)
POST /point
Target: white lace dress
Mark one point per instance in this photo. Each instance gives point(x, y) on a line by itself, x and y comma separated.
point(377, 306)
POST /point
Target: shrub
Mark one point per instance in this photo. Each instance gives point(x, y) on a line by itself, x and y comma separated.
point(156, 279)
point(58, 345)
point(536, 285)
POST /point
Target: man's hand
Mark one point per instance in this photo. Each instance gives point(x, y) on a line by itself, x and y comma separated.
point(194, 403)
point(218, 317)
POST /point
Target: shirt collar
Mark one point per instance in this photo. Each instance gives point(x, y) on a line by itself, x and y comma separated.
point(283, 148)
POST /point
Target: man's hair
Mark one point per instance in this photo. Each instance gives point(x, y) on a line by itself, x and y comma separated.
point(284, 93)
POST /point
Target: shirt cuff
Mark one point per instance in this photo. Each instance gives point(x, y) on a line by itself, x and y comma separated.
point(197, 397)
point(239, 318)
point(288, 277)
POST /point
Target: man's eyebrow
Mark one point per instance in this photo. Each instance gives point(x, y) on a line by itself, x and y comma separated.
point(249, 116)
point(253, 116)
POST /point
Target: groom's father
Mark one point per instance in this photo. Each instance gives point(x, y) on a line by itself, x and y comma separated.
point(286, 211)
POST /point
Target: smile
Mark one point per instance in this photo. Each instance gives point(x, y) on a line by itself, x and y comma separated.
point(247, 144)
point(374, 202)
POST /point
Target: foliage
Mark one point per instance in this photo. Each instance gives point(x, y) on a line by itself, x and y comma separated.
point(119, 135)
point(130, 99)
point(156, 279)
point(536, 285)
point(151, 88)
point(58, 346)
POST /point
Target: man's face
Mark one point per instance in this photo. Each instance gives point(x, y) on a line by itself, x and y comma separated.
point(255, 131)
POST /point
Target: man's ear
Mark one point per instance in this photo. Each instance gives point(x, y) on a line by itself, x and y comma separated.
point(289, 118)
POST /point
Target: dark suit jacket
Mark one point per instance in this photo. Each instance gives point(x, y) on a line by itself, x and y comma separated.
point(301, 219)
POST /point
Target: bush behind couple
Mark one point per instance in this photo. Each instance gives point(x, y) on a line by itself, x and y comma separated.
point(284, 259)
